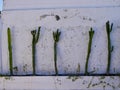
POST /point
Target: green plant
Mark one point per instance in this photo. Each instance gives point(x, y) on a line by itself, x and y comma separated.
point(35, 39)
point(91, 34)
point(110, 48)
point(56, 36)
point(10, 51)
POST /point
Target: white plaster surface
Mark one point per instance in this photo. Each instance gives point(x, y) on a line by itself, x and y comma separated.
point(40, 4)
point(76, 19)
point(60, 83)
point(74, 25)
point(0, 44)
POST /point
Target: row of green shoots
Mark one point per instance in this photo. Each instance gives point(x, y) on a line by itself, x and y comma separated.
point(56, 37)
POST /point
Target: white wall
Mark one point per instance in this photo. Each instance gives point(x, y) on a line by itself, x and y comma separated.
point(0, 44)
point(60, 83)
point(74, 24)
point(37, 4)
point(72, 48)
